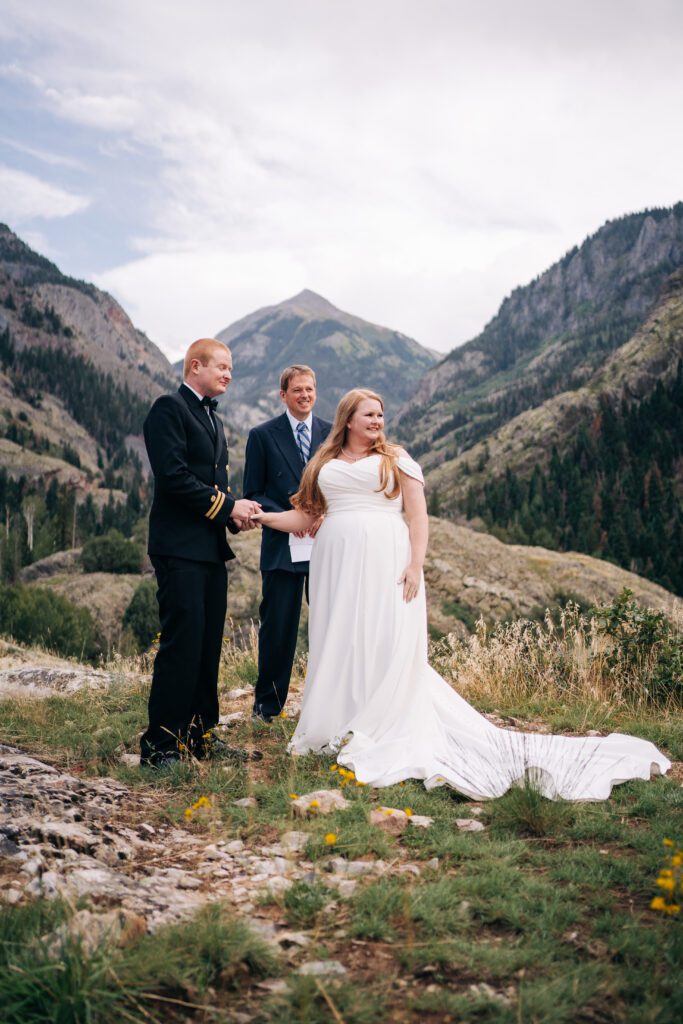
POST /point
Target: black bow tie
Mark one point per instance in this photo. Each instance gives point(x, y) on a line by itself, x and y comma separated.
point(210, 403)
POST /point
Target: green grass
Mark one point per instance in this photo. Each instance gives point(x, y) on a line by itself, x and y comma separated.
point(548, 907)
point(203, 962)
point(304, 902)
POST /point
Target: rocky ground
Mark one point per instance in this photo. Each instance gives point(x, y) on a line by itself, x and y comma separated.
point(132, 855)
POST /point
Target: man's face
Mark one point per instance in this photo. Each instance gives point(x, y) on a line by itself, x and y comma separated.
point(300, 395)
point(213, 379)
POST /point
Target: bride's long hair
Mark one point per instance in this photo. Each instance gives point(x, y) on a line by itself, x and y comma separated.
point(309, 498)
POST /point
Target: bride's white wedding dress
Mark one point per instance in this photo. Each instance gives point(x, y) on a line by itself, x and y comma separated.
point(372, 697)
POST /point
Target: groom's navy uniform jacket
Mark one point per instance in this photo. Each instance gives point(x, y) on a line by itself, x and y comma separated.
point(189, 458)
point(272, 474)
point(188, 548)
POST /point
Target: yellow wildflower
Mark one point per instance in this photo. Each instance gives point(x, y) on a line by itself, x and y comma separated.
point(314, 804)
point(408, 811)
point(283, 714)
point(658, 903)
point(188, 813)
point(358, 783)
point(677, 860)
point(293, 796)
point(667, 884)
point(668, 842)
point(334, 767)
point(330, 839)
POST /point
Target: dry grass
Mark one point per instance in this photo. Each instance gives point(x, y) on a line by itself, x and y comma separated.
point(567, 660)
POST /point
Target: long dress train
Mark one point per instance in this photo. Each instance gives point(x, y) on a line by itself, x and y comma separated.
point(370, 694)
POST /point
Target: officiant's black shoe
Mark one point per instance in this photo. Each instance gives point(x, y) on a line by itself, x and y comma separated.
point(261, 716)
point(211, 746)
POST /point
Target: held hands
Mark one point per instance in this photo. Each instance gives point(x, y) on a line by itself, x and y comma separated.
point(411, 578)
point(258, 518)
point(242, 511)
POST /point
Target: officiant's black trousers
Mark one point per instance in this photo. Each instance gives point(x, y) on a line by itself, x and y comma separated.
point(279, 614)
point(183, 701)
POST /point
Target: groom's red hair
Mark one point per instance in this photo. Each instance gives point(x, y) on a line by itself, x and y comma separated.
point(202, 349)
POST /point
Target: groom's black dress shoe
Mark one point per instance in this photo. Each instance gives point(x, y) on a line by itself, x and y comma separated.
point(160, 759)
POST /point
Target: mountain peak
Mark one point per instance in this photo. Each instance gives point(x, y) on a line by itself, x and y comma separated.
point(311, 303)
point(344, 351)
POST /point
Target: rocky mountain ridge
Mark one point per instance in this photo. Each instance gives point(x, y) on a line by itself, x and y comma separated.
point(66, 347)
point(549, 336)
point(632, 373)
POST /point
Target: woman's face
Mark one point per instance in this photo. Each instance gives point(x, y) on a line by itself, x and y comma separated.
point(365, 424)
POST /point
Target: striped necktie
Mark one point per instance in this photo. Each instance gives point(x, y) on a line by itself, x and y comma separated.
point(304, 442)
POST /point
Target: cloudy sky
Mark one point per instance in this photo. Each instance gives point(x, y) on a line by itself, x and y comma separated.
point(411, 160)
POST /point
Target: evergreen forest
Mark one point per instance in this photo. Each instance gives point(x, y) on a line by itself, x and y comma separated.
point(614, 493)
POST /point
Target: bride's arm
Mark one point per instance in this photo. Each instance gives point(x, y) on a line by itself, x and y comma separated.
point(286, 522)
point(415, 508)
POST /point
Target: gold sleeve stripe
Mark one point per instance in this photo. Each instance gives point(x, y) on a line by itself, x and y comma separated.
point(215, 509)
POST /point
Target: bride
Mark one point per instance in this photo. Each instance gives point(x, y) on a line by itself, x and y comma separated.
point(370, 694)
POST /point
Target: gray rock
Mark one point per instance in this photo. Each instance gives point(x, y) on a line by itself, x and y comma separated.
point(43, 680)
point(295, 842)
point(239, 692)
point(408, 869)
point(322, 969)
point(469, 825)
point(276, 987)
point(246, 801)
point(278, 885)
point(321, 801)
point(346, 887)
point(355, 868)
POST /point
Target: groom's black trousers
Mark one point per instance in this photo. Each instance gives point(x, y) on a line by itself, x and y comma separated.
point(279, 614)
point(183, 701)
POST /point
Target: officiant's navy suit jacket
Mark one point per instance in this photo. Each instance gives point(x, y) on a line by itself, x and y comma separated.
point(272, 474)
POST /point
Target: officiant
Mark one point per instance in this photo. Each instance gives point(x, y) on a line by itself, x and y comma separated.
point(276, 456)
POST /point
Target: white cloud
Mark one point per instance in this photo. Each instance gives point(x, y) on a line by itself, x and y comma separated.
point(107, 113)
point(24, 197)
point(412, 162)
point(46, 157)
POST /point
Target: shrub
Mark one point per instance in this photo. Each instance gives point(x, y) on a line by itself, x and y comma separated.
point(141, 616)
point(622, 655)
point(304, 902)
point(111, 553)
point(644, 646)
point(33, 615)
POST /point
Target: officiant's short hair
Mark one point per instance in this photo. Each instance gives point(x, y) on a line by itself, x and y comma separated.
point(295, 371)
point(202, 349)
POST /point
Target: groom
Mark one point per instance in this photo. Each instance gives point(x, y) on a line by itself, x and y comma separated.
point(276, 456)
point(191, 509)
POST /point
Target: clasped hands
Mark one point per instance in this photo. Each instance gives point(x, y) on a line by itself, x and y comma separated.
point(242, 511)
point(310, 531)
